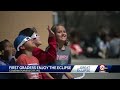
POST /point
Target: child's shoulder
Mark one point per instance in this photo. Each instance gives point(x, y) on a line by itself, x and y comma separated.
point(22, 59)
point(22, 56)
point(33, 57)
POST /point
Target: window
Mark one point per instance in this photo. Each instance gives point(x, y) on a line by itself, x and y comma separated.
point(55, 18)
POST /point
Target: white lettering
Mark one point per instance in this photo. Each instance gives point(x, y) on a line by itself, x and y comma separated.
point(13, 67)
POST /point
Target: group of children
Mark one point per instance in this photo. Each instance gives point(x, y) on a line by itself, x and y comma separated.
point(28, 52)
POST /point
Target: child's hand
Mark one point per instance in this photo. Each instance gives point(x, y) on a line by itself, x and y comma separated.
point(51, 33)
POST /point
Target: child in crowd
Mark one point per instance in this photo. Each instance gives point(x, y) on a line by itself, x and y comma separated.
point(25, 45)
point(63, 51)
point(43, 56)
point(7, 53)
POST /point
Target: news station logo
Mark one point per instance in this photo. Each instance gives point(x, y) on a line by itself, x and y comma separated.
point(102, 68)
point(84, 68)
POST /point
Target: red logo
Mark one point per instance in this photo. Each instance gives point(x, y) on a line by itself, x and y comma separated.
point(102, 68)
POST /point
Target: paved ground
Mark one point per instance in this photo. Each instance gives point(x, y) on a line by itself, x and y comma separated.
point(85, 61)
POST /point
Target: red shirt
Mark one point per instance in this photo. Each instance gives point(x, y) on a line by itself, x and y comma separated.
point(46, 57)
point(23, 59)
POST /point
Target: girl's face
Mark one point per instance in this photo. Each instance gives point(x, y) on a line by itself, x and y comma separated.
point(37, 40)
point(8, 48)
point(29, 45)
point(61, 34)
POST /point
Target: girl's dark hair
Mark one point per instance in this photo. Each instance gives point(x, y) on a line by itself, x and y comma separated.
point(2, 46)
point(27, 31)
point(54, 27)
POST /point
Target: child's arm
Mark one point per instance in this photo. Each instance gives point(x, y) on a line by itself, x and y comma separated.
point(45, 57)
point(69, 75)
point(49, 76)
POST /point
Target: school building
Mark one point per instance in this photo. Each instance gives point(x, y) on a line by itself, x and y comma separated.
point(12, 22)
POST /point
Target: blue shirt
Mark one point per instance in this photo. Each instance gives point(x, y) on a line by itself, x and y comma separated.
point(7, 62)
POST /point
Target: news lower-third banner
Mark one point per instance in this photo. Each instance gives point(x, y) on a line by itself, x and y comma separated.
point(60, 68)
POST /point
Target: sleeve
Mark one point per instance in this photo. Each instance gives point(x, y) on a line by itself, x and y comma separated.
point(45, 57)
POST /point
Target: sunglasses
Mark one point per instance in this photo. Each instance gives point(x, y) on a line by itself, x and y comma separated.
point(24, 40)
point(34, 36)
